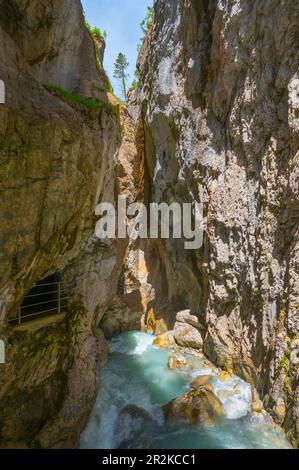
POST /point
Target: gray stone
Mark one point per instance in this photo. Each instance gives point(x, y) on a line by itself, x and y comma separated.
point(187, 336)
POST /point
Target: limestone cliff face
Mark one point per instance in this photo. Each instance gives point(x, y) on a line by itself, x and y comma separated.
point(53, 41)
point(219, 101)
point(58, 160)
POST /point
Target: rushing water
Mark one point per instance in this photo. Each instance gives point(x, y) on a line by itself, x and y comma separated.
point(137, 373)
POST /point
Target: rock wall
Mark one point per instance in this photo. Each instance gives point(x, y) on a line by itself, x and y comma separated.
point(215, 120)
point(52, 39)
point(219, 101)
point(58, 160)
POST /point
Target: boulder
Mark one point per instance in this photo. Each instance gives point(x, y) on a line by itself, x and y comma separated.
point(187, 336)
point(165, 340)
point(208, 387)
point(134, 428)
point(185, 317)
point(176, 362)
point(200, 381)
point(197, 406)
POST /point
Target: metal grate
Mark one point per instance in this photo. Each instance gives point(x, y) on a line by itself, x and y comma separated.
point(47, 297)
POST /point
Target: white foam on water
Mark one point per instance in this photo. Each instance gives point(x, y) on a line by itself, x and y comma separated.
point(200, 372)
point(137, 373)
point(237, 402)
point(131, 343)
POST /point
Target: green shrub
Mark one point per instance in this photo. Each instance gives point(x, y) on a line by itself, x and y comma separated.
point(134, 86)
point(95, 32)
point(145, 25)
point(147, 22)
point(136, 82)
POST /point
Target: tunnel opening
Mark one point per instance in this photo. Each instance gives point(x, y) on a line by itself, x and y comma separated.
point(48, 297)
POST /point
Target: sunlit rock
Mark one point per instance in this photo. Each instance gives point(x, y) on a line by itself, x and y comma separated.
point(176, 362)
point(200, 381)
point(165, 340)
point(187, 336)
point(197, 406)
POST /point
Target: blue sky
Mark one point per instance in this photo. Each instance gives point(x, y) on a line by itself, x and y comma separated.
point(120, 19)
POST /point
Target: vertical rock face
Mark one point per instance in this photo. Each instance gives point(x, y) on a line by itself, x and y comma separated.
point(59, 159)
point(219, 101)
point(53, 40)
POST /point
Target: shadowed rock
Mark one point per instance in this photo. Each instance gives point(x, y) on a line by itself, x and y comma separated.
point(134, 428)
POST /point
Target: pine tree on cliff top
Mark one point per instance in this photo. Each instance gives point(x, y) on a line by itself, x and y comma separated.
point(120, 67)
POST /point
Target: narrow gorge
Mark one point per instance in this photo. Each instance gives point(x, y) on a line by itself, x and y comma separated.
point(214, 118)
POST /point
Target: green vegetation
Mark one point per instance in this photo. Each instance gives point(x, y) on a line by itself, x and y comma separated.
point(135, 83)
point(134, 86)
point(284, 363)
point(93, 104)
point(120, 67)
point(145, 25)
point(96, 32)
point(103, 73)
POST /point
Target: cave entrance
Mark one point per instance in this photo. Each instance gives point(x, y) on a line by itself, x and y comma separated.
point(48, 297)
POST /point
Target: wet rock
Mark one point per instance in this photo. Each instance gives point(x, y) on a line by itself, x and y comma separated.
point(176, 362)
point(258, 418)
point(187, 336)
point(250, 198)
point(165, 340)
point(280, 411)
point(208, 387)
point(200, 381)
point(224, 376)
point(134, 428)
point(224, 394)
point(197, 406)
point(193, 354)
point(136, 412)
point(257, 404)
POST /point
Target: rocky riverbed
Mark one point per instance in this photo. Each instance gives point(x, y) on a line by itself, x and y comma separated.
point(145, 402)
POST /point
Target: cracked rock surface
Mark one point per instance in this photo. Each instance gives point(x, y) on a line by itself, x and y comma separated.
point(219, 99)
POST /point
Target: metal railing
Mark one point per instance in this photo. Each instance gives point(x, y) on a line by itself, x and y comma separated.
point(56, 301)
